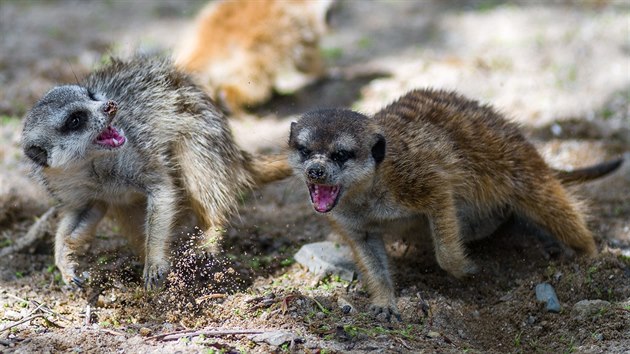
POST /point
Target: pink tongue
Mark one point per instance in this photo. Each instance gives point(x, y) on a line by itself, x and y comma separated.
point(110, 137)
point(323, 197)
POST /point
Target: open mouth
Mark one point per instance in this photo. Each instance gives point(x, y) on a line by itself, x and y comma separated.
point(111, 138)
point(324, 197)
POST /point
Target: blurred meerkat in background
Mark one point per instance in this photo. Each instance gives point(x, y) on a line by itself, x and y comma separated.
point(244, 50)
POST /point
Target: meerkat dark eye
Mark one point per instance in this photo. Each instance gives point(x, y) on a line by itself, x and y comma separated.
point(342, 156)
point(75, 121)
point(303, 151)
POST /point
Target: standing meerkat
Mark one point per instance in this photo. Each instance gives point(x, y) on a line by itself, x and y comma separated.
point(243, 50)
point(436, 157)
point(138, 139)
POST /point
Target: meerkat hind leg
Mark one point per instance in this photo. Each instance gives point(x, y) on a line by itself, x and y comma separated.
point(212, 196)
point(450, 252)
point(552, 208)
point(75, 229)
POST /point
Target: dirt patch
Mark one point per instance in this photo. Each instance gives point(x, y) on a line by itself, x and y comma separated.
point(559, 70)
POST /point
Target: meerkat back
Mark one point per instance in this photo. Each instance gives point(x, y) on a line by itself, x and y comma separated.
point(482, 159)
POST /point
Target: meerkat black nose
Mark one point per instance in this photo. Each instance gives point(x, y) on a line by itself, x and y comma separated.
point(110, 108)
point(316, 172)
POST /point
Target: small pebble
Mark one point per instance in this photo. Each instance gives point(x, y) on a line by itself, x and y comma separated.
point(531, 319)
point(144, 331)
point(276, 338)
point(345, 306)
point(320, 315)
point(433, 334)
point(327, 257)
point(556, 129)
point(586, 309)
point(546, 293)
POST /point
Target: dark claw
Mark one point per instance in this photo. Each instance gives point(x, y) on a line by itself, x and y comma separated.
point(154, 282)
point(78, 281)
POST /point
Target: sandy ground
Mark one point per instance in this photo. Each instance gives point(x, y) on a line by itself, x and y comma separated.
point(561, 70)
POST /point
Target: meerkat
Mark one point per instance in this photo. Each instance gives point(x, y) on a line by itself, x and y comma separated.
point(243, 50)
point(140, 139)
point(430, 157)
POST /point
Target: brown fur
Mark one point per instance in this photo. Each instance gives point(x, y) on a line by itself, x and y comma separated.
point(430, 156)
point(243, 49)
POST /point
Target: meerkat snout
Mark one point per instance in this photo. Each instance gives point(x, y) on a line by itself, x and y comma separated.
point(316, 172)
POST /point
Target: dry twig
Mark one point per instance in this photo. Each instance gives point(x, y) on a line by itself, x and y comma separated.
point(36, 232)
point(205, 332)
point(24, 320)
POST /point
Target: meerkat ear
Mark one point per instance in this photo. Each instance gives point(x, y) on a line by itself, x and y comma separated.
point(378, 149)
point(37, 154)
point(292, 131)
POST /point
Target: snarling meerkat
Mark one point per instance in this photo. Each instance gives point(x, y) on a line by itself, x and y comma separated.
point(430, 157)
point(141, 140)
point(243, 50)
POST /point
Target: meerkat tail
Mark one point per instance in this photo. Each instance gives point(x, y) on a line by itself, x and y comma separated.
point(205, 186)
point(269, 168)
point(588, 173)
point(561, 216)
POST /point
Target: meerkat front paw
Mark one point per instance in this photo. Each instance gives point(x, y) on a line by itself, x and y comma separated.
point(67, 268)
point(384, 307)
point(386, 312)
point(155, 274)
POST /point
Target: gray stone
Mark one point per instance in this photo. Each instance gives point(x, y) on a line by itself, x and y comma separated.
point(275, 338)
point(586, 309)
point(433, 334)
point(546, 293)
point(327, 258)
point(531, 319)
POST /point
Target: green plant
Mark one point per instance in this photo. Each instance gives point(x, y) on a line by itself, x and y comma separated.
point(332, 53)
point(5, 242)
point(517, 339)
point(287, 262)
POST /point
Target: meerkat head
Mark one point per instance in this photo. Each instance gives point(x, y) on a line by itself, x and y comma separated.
point(68, 125)
point(335, 151)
